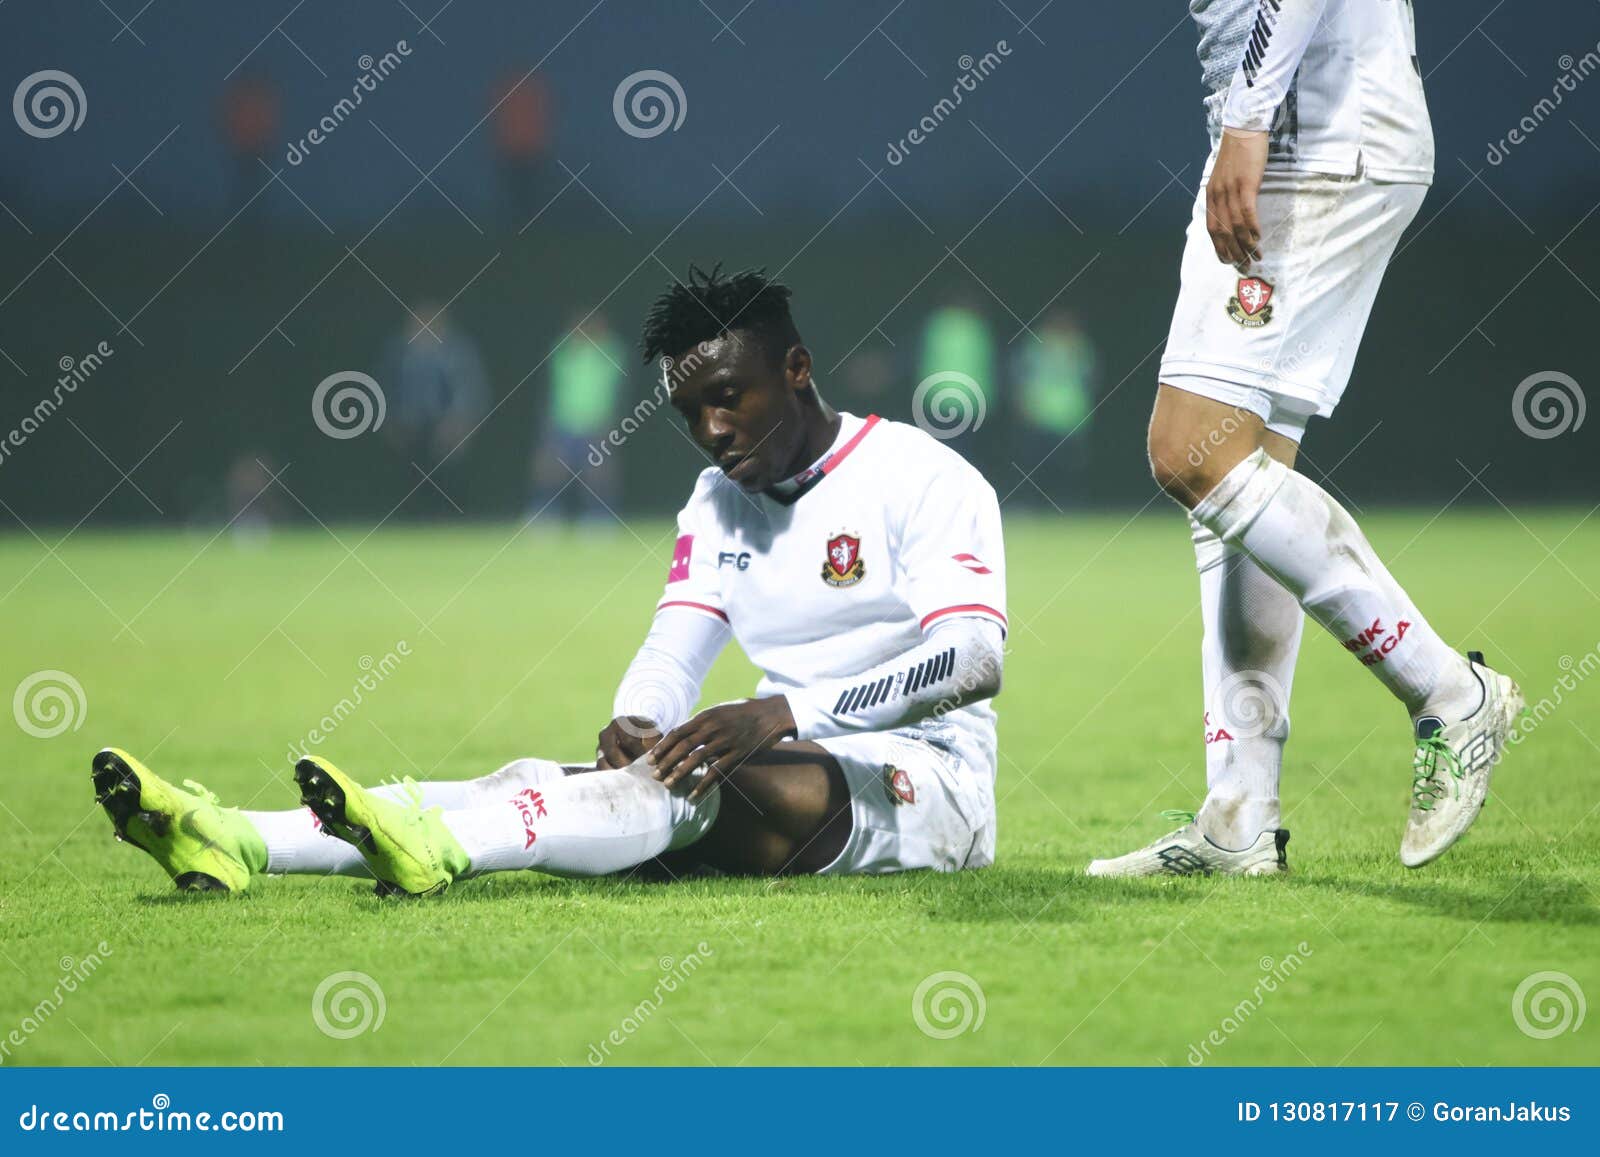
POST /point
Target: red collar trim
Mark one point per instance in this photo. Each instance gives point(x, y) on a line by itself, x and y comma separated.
point(812, 475)
point(839, 455)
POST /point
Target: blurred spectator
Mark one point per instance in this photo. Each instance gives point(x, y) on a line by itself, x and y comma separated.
point(253, 503)
point(250, 124)
point(521, 111)
point(957, 350)
point(1054, 379)
point(586, 376)
point(436, 394)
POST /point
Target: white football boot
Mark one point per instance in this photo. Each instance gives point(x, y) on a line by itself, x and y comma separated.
point(1452, 765)
point(1189, 852)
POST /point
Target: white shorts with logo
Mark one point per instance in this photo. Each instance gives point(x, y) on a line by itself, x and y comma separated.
point(913, 805)
point(1280, 341)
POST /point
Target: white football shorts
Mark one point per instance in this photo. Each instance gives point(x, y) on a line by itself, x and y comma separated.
point(1280, 340)
point(913, 805)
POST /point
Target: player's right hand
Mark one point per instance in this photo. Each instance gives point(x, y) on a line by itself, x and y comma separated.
point(625, 739)
point(1231, 197)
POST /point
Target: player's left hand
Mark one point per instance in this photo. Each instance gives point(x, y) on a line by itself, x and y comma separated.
point(1231, 197)
point(720, 739)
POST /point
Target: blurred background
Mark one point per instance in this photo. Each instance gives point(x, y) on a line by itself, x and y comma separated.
point(396, 254)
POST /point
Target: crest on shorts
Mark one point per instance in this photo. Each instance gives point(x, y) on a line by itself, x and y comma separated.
point(843, 566)
point(899, 784)
point(1251, 303)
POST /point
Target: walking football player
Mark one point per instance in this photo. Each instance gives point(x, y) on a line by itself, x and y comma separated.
point(859, 564)
point(1322, 153)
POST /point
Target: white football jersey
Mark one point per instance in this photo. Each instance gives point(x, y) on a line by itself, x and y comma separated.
point(1355, 102)
point(893, 532)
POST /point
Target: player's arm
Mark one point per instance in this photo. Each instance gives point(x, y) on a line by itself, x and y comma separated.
point(958, 661)
point(1278, 40)
point(690, 629)
point(663, 682)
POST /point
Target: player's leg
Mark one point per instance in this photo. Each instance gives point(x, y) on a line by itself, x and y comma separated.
point(592, 824)
point(1335, 239)
point(1251, 636)
point(785, 812)
point(789, 811)
point(864, 803)
point(1251, 639)
point(296, 843)
point(204, 846)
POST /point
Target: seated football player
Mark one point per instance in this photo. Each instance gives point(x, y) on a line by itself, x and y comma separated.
point(858, 562)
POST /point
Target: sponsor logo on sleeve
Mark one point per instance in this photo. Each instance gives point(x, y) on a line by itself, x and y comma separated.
point(681, 553)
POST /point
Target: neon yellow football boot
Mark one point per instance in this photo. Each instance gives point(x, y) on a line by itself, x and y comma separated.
point(202, 846)
point(408, 849)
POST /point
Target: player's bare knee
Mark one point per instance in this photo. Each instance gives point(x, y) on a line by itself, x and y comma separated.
point(1178, 466)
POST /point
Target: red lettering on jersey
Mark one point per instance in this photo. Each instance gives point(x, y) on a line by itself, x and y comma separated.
point(972, 562)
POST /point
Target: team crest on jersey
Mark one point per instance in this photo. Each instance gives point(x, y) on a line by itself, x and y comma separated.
point(843, 567)
point(1250, 305)
point(899, 784)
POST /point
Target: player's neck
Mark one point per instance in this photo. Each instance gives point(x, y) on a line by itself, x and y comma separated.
point(822, 431)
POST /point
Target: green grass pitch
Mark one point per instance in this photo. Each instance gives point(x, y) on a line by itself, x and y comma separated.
point(211, 658)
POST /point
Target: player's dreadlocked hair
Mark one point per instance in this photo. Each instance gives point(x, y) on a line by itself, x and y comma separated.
point(709, 305)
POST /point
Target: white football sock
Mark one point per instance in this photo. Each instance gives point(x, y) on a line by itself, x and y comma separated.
point(1302, 536)
point(1247, 657)
point(296, 843)
point(584, 825)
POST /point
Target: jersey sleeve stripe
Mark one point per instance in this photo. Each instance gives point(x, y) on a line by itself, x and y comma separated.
point(964, 609)
point(710, 610)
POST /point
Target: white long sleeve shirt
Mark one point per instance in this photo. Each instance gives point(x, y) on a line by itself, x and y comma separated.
point(1337, 83)
point(843, 594)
